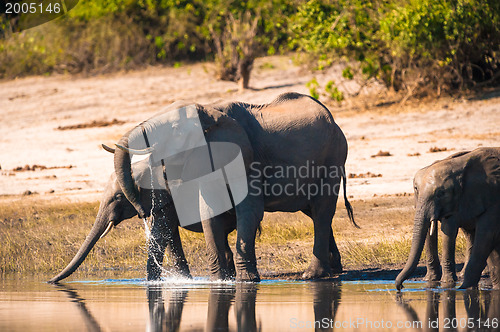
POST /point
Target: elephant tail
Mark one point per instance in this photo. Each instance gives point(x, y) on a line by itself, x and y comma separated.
point(348, 205)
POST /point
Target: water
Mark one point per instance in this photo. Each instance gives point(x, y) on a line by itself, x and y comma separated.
point(272, 305)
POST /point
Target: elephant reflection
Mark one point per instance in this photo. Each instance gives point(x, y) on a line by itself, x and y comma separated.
point(326, 300)
point(165, 312)
point(161, 319)
point(482, 308)
point(219, 303)
point(326, 303)
point(90, 322)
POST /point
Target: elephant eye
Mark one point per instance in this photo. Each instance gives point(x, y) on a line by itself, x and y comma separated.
point(119, 196)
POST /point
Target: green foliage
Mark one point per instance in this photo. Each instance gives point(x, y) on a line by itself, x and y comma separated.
point(333, 91)
point(106, 35)
point(313, 86)
point(407, 44)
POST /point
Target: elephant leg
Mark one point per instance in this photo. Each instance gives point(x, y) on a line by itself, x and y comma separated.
point(231, 270)
point(469, 240)
point(216, 241)
point(156, 249)
point(494, 267)
point(174, 246)
point(335, 259)
point(484, 243)
point(165, 234)
point(249, 213)
point(431, 253)
point(320, 264)
point(450, 231)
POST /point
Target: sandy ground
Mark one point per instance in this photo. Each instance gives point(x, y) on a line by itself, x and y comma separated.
point(33, 108)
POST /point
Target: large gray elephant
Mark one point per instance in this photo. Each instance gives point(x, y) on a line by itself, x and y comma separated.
point(275, 141)
point(115, 208)
point(461, 191)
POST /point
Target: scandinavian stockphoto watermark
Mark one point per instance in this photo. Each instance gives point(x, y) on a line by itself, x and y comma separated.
point(353, 323)
point(198, 174)
point(208, 179)
point(361, 323)
point(307, 180)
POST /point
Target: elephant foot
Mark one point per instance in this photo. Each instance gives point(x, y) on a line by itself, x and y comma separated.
point(222, 274)
point(449, 278)
point(317, 270)
point(434, 272)
point(183, 270)
point(467, 286)
point(432, 276)
point(248, 276)
point(153, 272)
point(336, 266)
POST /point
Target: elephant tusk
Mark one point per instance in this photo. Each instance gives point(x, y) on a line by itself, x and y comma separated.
point(433, 227)
point(108, 229)
point(107, 148)
point(134, 151)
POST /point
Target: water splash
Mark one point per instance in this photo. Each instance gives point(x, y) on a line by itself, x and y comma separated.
point(147, 230)
point(150, 240)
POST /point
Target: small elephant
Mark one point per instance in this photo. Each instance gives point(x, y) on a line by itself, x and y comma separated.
point(461, 191)
point(274, 141)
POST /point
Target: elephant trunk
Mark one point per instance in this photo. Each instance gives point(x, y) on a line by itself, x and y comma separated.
point(101, 226)
point(123, 171)
point(420, 228)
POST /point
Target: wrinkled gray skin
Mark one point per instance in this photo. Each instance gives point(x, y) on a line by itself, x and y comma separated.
point(461, 191)
point(115, 208)
point(290, 131)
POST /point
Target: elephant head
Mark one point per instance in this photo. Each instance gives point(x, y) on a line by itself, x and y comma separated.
point(456, 189)
point(113, 209)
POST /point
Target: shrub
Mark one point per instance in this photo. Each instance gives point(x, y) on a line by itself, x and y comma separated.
point(408, 45)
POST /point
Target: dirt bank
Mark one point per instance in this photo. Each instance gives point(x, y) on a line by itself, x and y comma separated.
point(100, 109)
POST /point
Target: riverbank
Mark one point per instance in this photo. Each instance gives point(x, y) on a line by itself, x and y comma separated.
point(42, 237)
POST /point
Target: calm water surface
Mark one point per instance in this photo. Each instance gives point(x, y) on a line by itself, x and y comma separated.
point(272, 305)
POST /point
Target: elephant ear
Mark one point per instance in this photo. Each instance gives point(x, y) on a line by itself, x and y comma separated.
point(480, 182)
point(417, 182)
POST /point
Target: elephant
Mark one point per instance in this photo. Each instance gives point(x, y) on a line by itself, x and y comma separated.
point(272, 142)
point(116, 207)
point(461, 191)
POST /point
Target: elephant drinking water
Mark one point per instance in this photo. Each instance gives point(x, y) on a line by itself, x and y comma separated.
point(292, 154)
point(461, 191)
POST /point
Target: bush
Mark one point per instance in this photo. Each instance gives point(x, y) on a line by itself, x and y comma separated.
point(106, 35)
point(410, 45)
